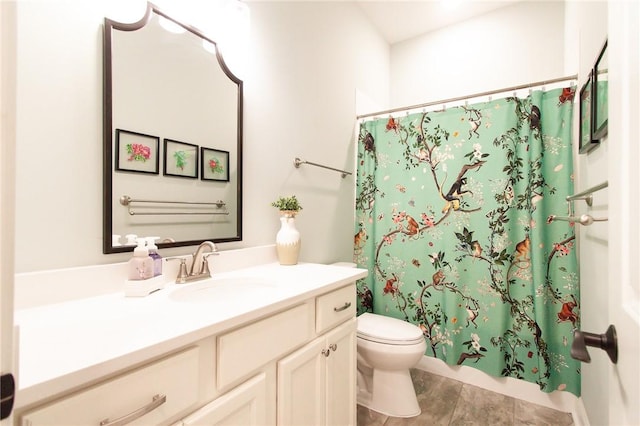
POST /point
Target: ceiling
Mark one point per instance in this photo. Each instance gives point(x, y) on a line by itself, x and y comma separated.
point(398, 20)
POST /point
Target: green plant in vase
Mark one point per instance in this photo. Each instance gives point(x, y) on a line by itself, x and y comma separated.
point(288, 237)
point(288, 206)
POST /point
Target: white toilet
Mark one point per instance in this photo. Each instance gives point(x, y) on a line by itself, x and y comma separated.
point(387, 349)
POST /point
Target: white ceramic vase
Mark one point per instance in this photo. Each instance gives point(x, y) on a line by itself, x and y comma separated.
point(288, 239)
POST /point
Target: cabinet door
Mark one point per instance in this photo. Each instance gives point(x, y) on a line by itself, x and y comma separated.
point(341, 375)
point(244, 405)
point(301, 386)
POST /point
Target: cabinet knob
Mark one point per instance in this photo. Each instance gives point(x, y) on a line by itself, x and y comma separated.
point(333, 346)
point(326, 352)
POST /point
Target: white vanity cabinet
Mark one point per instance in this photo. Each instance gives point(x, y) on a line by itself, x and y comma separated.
point(291, 363)
point(316, 384)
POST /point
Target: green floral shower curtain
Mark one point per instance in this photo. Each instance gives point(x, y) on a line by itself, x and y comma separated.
point(452, 222)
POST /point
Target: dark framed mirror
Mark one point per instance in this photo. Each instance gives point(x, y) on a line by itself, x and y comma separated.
point(601, 95)
point(168, 96)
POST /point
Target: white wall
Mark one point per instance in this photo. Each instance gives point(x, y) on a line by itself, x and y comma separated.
point(58, 177)
point(586, 31)
point(306, 62)
point(514, 45)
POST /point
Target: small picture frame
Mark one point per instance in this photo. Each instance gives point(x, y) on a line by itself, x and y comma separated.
point(137, 152)
point(601, 95)
point(180, 159)
point(585, 141)
point(214, 164)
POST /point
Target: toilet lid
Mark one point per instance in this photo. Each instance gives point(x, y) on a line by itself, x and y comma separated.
point(382, 329)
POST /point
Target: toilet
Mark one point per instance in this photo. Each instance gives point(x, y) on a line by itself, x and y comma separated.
point(387, 349)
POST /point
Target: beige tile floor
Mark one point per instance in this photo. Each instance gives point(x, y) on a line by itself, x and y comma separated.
point(446, 401)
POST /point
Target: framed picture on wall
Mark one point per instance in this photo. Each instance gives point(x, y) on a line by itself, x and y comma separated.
point(180, 159)
point(137, 152)
point(214, 164)
point(601, 95)
point(586, 142)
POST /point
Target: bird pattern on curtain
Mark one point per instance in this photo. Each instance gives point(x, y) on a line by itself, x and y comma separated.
point(452, 223)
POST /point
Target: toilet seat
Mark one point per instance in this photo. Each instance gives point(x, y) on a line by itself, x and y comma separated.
point(388, 330)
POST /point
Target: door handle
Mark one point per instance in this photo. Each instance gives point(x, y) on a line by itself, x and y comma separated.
point(608, 341)
point(7, 395)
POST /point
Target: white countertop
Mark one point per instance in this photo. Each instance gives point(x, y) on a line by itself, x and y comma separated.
point(65, 345)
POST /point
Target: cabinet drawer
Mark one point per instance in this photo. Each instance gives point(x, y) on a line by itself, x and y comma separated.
point(246, 349)
point(244, 405)
point(335, 307)
point(173, 379)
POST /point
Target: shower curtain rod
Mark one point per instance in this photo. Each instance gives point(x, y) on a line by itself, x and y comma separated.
point(476, 95)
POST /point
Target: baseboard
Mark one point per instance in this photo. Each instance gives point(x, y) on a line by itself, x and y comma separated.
point(526, 391)
point(580, 414)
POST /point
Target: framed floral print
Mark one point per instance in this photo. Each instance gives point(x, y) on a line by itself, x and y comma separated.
point(586, 142)
point(137, 152)
point(601, 95)
point(214, 164)
point(180, 159)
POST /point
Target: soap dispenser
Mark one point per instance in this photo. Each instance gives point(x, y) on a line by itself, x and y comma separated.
point(140, 265)
point(153, 254)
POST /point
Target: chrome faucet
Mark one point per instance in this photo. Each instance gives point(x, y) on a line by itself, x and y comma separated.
point(204, 271)
point(204, 267)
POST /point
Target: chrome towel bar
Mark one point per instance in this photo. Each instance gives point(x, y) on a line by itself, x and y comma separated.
point(585, 219)
point(298, 161)
point(587, 194)
point(126, 200)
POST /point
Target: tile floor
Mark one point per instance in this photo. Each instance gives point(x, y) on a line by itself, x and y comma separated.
point(446, 401)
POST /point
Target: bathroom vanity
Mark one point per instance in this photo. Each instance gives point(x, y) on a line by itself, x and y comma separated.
point(268, 344)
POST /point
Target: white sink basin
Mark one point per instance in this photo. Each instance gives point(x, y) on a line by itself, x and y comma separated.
point(222, 290)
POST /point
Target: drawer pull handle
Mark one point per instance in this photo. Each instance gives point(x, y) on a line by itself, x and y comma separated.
point(343, 307)
point(157, 401)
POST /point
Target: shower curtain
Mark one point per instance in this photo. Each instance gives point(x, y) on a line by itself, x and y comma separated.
point(452, 223)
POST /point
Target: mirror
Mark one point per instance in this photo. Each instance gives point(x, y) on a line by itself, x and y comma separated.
point(172, 136)
point(601, 95)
